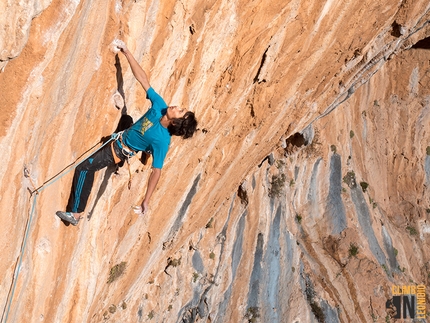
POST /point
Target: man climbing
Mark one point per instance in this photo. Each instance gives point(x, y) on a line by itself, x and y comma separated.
point(151, 133)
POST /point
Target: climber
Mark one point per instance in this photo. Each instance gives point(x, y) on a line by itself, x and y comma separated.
point(152, 132)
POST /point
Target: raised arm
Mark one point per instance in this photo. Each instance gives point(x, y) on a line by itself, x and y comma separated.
point(137, 70)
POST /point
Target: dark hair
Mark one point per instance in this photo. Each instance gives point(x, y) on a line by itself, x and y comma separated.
point(184, 127)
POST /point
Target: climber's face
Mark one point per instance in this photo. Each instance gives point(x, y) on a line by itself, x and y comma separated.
point(175, 112)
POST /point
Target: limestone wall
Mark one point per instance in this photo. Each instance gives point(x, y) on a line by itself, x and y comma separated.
point(312, 140)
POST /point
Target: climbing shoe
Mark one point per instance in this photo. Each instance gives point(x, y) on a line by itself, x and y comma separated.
point(68, 217)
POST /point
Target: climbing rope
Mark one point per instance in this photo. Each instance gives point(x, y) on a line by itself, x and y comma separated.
point(69, 167)
point(18, 267)
point(47, 183)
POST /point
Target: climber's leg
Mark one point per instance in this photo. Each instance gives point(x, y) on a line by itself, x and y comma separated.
point(84, 178)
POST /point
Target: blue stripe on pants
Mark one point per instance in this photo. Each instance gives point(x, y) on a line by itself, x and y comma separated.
point(84, 177)
point(78, 191)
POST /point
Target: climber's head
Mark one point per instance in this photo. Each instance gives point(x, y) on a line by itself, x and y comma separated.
point(184, 124)
point(175, 112)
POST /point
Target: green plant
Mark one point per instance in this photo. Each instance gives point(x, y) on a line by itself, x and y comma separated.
point(292, 182)
point(280, 164)
point(353, 250)
point(112, 309)
point(195, 277)
point(212, 255)
point(151, 315)
point(314, 147)
point(372, 202)
point(351, 134)
point(170, 307)
point(412, 230)
point(252, 313)
point(174, 262)
point(349, 179)
point(428, 150)
point(385, 269)
point(276, 185)
point(333, 149)
point(116, 272)
point(298, 218)
point(396, 252)
point(364, 186)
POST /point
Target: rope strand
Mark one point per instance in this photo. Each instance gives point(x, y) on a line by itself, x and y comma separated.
point(47, 183)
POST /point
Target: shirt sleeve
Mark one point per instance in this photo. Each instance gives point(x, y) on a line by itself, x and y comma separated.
point(158, 158)
point(157, 101)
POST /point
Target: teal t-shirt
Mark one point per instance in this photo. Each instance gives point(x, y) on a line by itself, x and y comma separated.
point(147, 134)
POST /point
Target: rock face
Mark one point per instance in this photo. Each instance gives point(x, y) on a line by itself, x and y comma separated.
point(16, 20)
point(304, 196)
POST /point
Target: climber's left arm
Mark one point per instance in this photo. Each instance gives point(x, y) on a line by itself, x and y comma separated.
point(152, 183)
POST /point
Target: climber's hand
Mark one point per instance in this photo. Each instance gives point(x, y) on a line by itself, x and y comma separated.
point(145, 207)
point(121, 45)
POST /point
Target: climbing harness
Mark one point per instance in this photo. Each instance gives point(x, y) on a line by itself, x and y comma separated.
point(36, 192)
point(127, 152)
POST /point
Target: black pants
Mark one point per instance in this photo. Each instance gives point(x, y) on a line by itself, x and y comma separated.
point(84, 176)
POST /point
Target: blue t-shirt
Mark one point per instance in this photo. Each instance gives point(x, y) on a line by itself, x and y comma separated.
point(147, 134)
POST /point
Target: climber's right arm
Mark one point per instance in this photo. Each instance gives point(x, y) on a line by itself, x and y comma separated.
point(137, 70)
